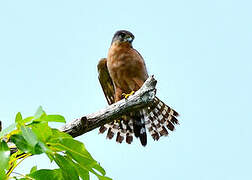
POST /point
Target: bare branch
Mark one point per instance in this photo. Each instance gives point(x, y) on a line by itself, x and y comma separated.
point(144, 96)
point(140, 99)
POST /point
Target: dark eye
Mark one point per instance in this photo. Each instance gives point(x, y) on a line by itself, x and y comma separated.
point(122, 35)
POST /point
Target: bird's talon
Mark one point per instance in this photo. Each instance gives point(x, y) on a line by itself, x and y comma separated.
point(127, 95)
point(117, 121)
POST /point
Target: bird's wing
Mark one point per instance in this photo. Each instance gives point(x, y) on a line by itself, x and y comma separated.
point(106, 81)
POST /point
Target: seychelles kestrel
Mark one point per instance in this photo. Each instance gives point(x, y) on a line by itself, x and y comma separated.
point(123, 72)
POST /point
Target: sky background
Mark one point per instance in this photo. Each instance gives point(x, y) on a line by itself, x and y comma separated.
point(199, 51)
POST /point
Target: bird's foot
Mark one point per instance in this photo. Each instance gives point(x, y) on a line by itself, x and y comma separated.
point(117, 121)
point(127, 95)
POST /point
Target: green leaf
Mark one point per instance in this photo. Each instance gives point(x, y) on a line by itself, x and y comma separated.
point(46, 174)
point(82, 171)
point(104, 178)
point(18, 120)
point(34, 145)
point(50, 156)
point(7, 130)
point(83, 174)
point(100, 169)
point(33, 169)
point(67, 167)
point(20, 142)
point(39, 112)
point(28, 119)
point(37, 137)
point(74, 147)
point(2, 174)
point(4, 158)
point(54, 118)
point(4, 155)
point(77, 151)
point(18, 117)
point(40, 148)
point(29, 136)
point(42, 131)
point(58, 135)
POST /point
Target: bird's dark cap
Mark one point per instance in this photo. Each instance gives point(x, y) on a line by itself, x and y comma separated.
point(123, 36)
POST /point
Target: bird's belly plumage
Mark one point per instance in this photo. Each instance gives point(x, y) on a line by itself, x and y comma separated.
point(124, 68)
point(122, 74)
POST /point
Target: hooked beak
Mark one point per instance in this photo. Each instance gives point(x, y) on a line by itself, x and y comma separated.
point(128, 38)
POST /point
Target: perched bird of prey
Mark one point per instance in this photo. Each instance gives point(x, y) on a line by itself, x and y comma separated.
point(124, 72)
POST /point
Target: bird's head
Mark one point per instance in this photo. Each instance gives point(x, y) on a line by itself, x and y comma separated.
point(123, 36)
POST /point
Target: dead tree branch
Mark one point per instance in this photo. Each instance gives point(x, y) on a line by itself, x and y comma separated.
point(140, 99)
point(144, 96)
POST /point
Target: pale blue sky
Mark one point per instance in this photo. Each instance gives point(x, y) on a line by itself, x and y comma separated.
point(199, 51)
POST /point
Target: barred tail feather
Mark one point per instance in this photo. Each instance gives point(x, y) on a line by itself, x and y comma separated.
point(119, 137)
point(121, 128)
point(121, 134)
point(129, 133)
point(139, 126)
point(112, 130)
point(102, 129)
point(160, 117)
point(129, 138)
